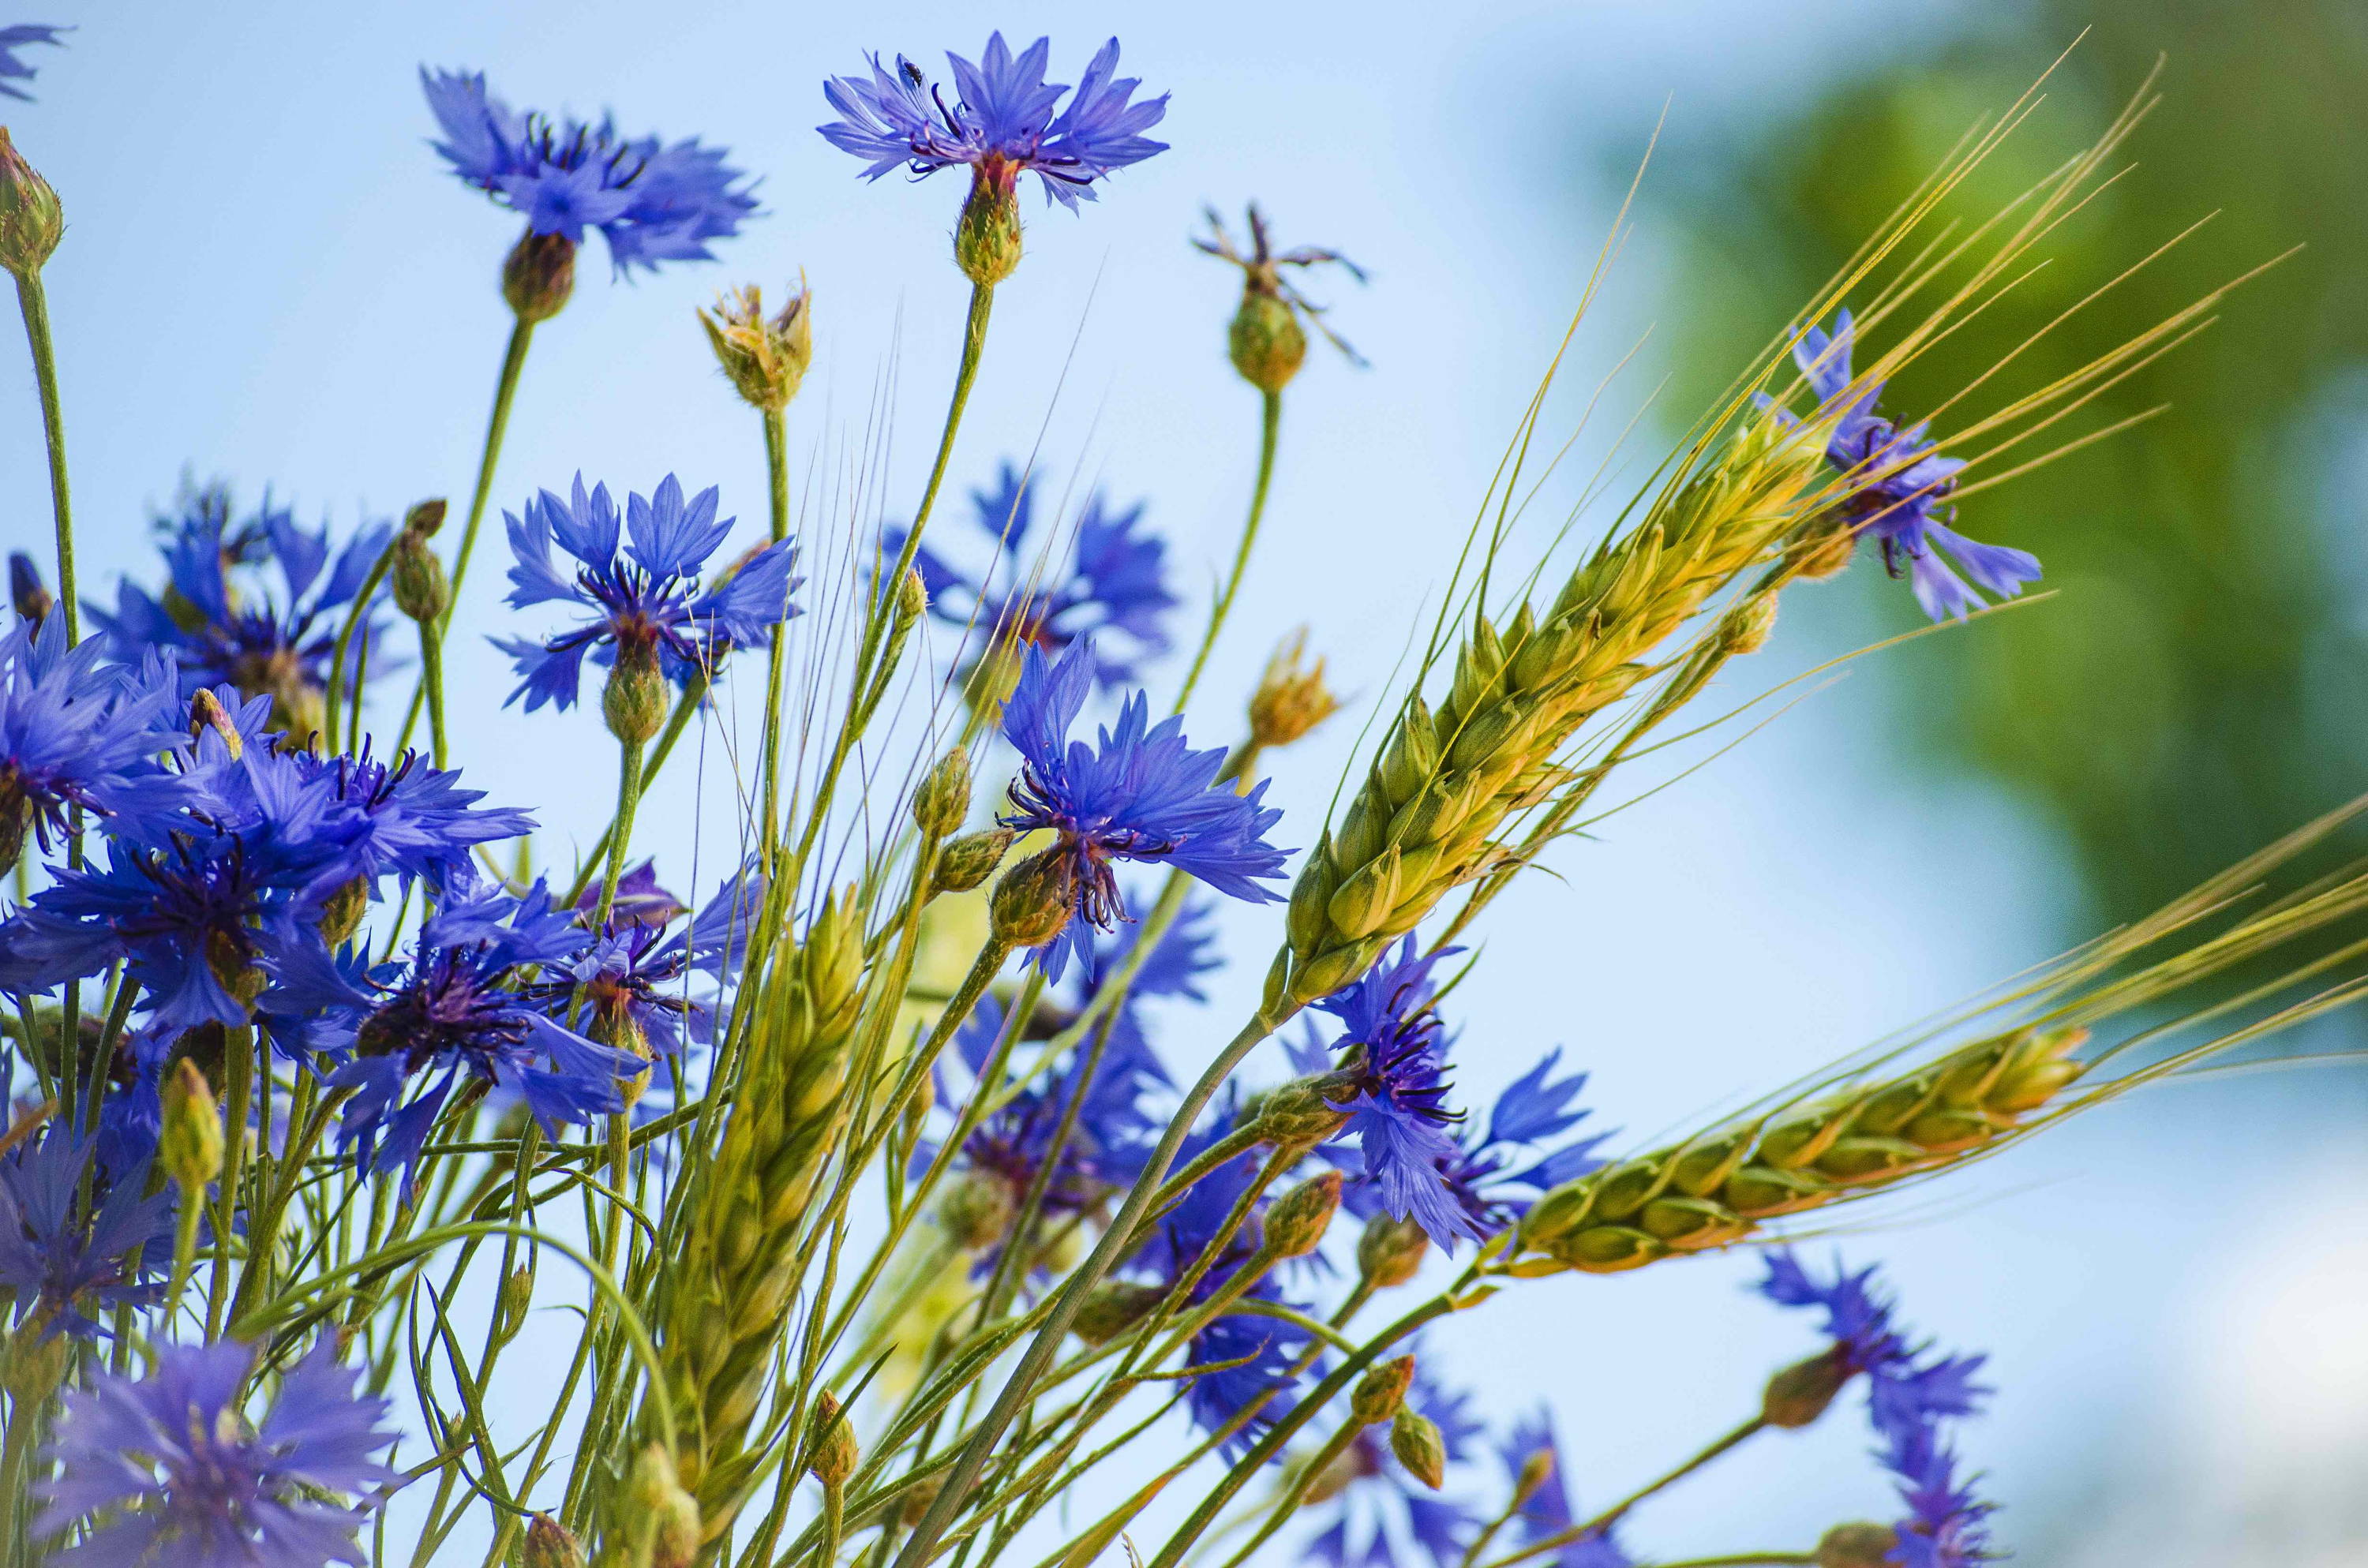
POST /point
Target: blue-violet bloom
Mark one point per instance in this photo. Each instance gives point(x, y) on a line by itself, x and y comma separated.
point(1142, 795)
point(638, 575)
point(66, 1254)
point(652, 201)
point(1003, 122)
point(74, 732)
point(11, 68)
point(184, 1477)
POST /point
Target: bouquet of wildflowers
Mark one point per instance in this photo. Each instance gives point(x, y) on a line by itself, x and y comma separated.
point(368, 1194)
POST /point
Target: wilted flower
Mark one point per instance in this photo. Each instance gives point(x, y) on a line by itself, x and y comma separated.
point(1900, 485)
point(1002, 124)
point(1141, 795)
point(1267, 340)
point(222, 625)
point(186, 1478)
point(1114, 580)
point(764, 356)
point(642, 585)
point(650, 200)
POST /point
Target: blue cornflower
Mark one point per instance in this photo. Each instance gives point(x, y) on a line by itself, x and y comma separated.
point(1002, 124)
point(403, 817)
point(633, 976)
point(1114, 580)
point(1142, 795)
point(1395, 1092)
point(642, 586)
point(1900, 485)
point(75, 732)
point(222, 626)
point(403, 1035)
point(186, 1478)
point(1478, 1177)
point(1910, 1393)
point(11, 68)
point(1546, 1512)
point(651, 202)
point(1385, 1508)
point(64, 1251)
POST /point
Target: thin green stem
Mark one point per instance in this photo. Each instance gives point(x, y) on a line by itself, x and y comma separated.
point(1270, 423)
point(338, 680)
point(777, 473)
point(238, 1076)
point(35, 304)
point(629, 801)
point(431, 678)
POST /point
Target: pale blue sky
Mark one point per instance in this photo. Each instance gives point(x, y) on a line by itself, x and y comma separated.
point(268, 276)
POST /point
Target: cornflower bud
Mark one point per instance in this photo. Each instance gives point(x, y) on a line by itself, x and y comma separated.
point(1823, 547)
point(975, 1210)
point(1339, 1473)
point(1034, 899)
point(1113, 1307)
point(634, 701)
point(1298, 1114)
point(1416, 1440)
point(912, 599)
point(986, 238)
point(1391, 1251)
point(967, 861)
point(1798, 1395)
point(538, 276)
point(833, 1453)
point(664, 1518)
point(1858, 1545)
point(1380, 1390)
point(1289, 701)
point(1295, 1225)
point(31, 221)
point(764, 360)
point(26, 590)
point(342, 912)
point(206, 713)
point(943, 801)
point(1744, 629)
point(421, 589)
point(550, 1544)
point(511, 1306)
point(1536, 1470)
point(1264, 340)
point(189, 1144)
point(917, 1498)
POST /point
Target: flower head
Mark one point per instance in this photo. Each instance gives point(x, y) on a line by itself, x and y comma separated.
point(186, 1477)
point(1006, 120)
point(1533, 1460)
point(638, 575)
point(67, 1253)
point(1142, 794)
point(1268, 338)
point(76, 733)
point(1114, 580)
point(222, 624)
point(400, 815)
point(650, 200)
point(402, 1036)
point(634, 977)
point(1899, 485)
point(13, 69)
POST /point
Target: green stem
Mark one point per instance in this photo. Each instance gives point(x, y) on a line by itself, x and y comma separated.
point(629, 801)
point(1614, 1514)
point(35, 304)
point(338, 680)
point(1270, 419)
point(431, 678)
point(686, 708)
point(505, 390)
point(238, 1074)
point(776, 472)
point(1292, 1495)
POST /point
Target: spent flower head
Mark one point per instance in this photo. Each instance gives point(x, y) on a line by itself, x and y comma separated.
point(1268, 337)
point(764, 356)
point(179, 1473)
point(653, 201)
point(1141, 794)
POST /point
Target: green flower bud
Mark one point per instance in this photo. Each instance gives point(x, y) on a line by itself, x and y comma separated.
point(342, 912)
point(663, 1521)
point(550, 1544)
point(189, 1145)
point(832, 1452)
point(1034, 899)
point(987, 239)
point(206, 713)
point(1744, 629)
point(635, 699)
point(1337, 1476)
point(975, 1212)
point(1797, 1395)
point(1380, 1390)
point(1536, 1470)
point(538, 276)
point(917, 1498)
point(1391, 1251)
point(1265, 340)
point(1859, 1545)
point(16, 812)
point(1112, 1307)
point(1289, 700)
point(1416, 1440)
point(1295, 1225)
point(27, 591)
point(994, 676)
point(1299, 1114)
point(31, 221)
point(967, 861)
point(511, 1306)
point(421, 589)
point(764, 360)
point(1823, 547)
point(943, 801)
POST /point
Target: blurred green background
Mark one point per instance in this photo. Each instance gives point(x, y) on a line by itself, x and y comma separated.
point(2199, 689)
